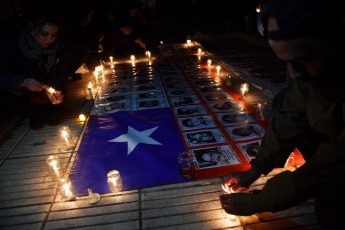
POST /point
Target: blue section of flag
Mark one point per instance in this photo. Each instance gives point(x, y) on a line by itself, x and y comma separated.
point(147, 165)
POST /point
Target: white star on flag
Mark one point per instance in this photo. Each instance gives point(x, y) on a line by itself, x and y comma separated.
point(135, 137)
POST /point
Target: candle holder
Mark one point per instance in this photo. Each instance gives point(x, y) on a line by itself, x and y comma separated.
point(54, 167)
point(93, 198)
point(66, 189)
point(66, 139)
point(51, 95)
point(185, 165)
point(244, 89)
point(114, 181)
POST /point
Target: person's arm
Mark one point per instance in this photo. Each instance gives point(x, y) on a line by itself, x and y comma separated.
point(289, 123)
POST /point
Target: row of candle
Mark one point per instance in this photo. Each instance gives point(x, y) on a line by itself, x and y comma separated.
point(55, 171)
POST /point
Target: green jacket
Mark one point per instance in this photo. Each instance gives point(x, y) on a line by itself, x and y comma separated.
point(302, 110)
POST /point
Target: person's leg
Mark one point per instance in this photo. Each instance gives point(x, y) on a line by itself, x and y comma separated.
point(330, 206)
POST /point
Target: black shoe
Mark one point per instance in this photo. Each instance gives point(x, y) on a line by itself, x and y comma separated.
point(36, 124)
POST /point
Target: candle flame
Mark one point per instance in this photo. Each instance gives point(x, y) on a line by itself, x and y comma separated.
point(51, 90)
point(82, 117)
point(132, 58)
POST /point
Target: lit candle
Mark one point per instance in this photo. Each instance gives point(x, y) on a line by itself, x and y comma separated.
point(66, 138)
point(112, 66)
point(53, 165)
point(189, 42)
point(258, 9)
point(114, 181)
point(50, 92)
point(244, 89)
point(161, 42)
point(218, 69)
point(199, 51)
point(260, 111)
point(148, 54)
point(209, 62)
point(66, 189)
point(132, 58)
point(95, 73)
point(82, 117)
point(111, 59)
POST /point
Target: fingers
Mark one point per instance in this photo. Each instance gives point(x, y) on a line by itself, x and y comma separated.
point(237, 204)
point(33, 85)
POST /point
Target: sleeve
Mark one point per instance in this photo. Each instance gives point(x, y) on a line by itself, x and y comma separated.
point(324, 168)
point(291, 188)
point(8, 80)
point(289, 122)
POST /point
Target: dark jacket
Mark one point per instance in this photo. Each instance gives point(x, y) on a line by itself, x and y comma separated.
point(303, 111)
point(14, 66)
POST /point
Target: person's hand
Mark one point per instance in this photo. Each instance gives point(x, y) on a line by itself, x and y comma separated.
point(59, 96)
point(240, 204)
point(241, 180)
point(32, 84)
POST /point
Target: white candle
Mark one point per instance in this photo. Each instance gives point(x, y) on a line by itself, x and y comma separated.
point(114, 181)
point(244, 88)
point(218, 69)
point(132, 58)
point(209, 61)
point(189, 42)
point(82, 117)
point(111, 59)
point(199, 51)
point(260, 111)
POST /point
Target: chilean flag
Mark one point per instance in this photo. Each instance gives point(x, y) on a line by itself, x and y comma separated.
point(142, 145)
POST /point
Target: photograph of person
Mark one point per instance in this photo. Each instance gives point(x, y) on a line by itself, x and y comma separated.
point(217, 97)
point(198, 76)
point(115, 98)
point(177, 92)
point(145, 81)
point(146, 104)
point(234, 118)
point(113, 107)
point(201, 137)
point(250, 149)
point(226, 106)
point(148, 95)
point(204, 82)
point(145, 87)
point(182, 100)
point(210, 157)
point(207, 89)
point(118, 90)
point(177, 85)
point(246, 132)
point(196, 123)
